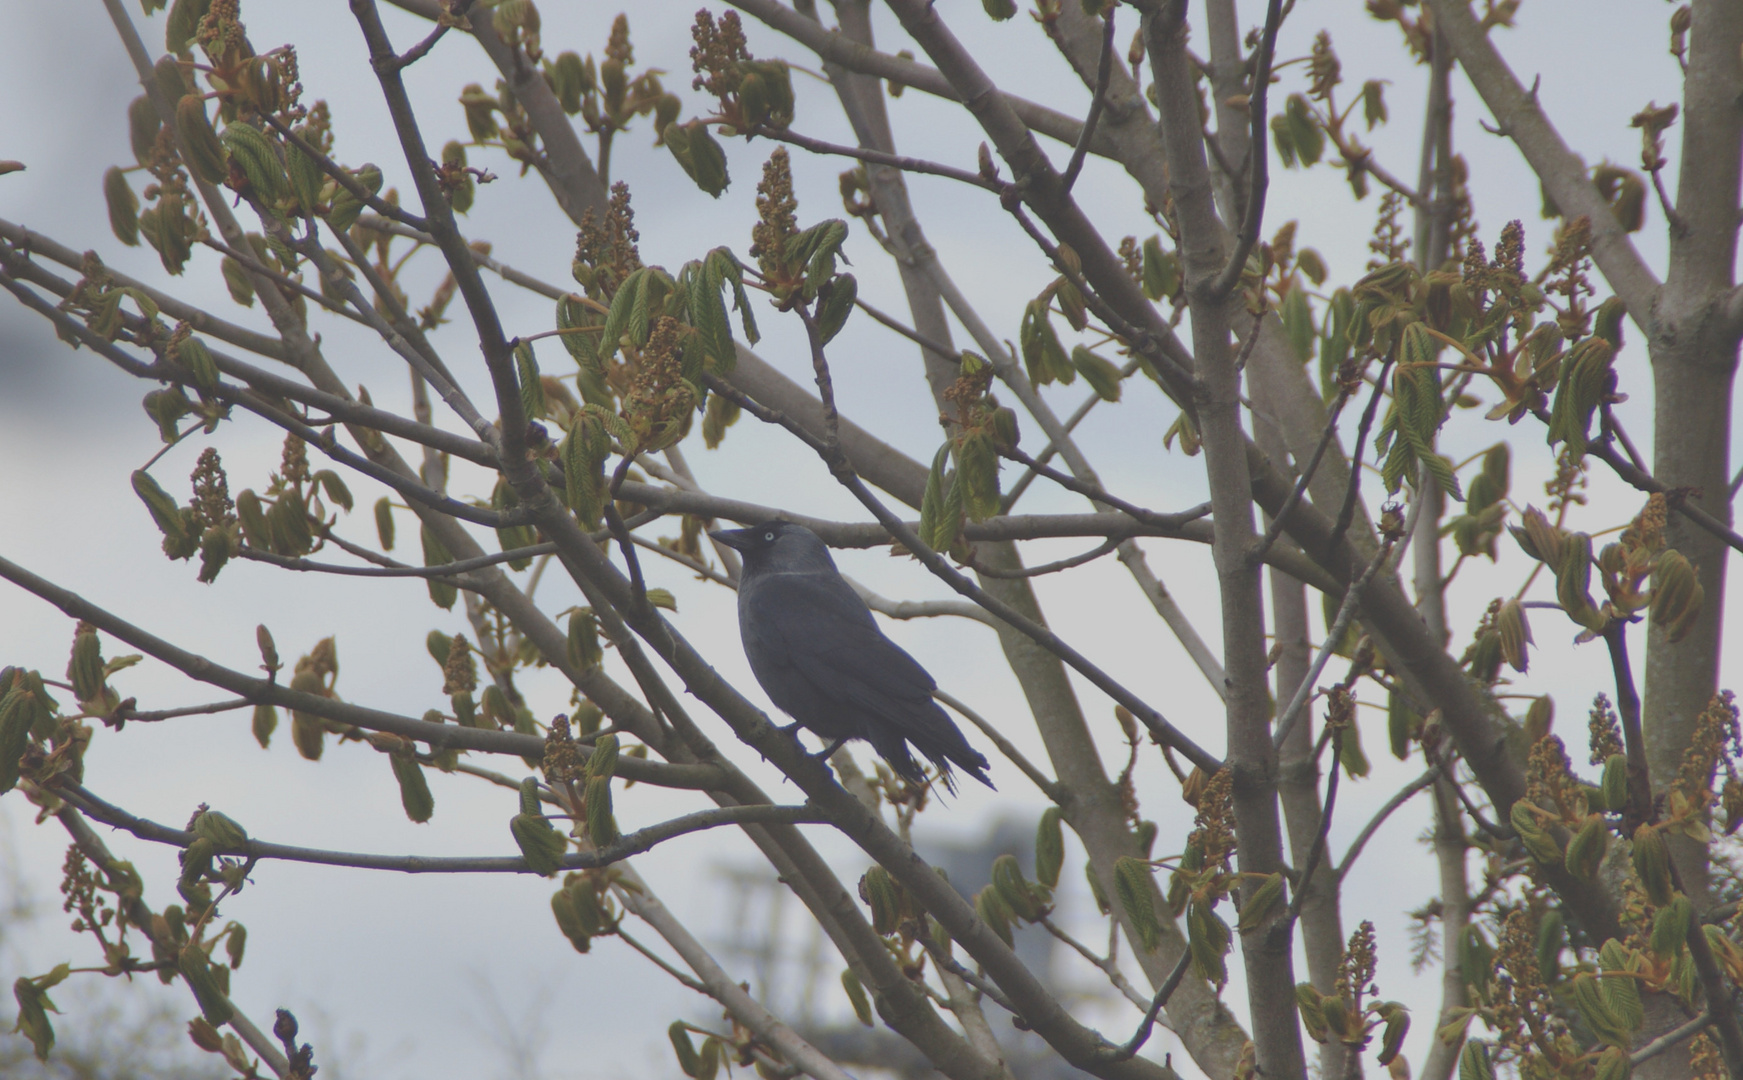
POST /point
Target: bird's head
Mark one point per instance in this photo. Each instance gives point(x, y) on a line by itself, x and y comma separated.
point(778, 546)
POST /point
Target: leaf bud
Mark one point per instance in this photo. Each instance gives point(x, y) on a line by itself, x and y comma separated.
point(1392, 1037)
point(699, 155)
point(123, 207)
point(1311, 1004)
point(1133, 884)
point(347, 207)
point(1007, 878)
point(601, 825)
point(540, 843)
point(1261, 903)
point(225, 834)
point(204, 1035)
point(585, 652)
point(205, 154)
point(1474, 1062)
point(1652, 863)
point(883, 896)
point(1603, 1020)
point(1515, 634)
point(264, 723)
point(1670, 926)
point(1614, 1063)
point(85, 668)
point(603, 761)
point(414, 789)
point(196, 968)
point(836, 306)
point(1536, 838)
point(991, 909)
point(1615, 782)
point(1551, 937)
point(1676, 595)
point(688, 1061)
point(1586, 850)
point(1049, 848)
point(564, 910)
point(856, 996)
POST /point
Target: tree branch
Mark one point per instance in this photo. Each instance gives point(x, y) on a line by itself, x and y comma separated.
point(629, 844)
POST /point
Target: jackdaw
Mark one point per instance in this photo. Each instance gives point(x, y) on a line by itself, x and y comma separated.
point(814, 647)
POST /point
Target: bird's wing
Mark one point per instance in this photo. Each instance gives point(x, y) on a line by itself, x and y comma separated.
point(828, 636)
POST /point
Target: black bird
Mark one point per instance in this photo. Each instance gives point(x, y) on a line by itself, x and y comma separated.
point(814, 647)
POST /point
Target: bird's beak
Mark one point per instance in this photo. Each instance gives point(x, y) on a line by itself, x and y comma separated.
point(737, 539)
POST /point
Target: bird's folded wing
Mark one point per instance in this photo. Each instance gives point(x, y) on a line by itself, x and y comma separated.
point(830, 639)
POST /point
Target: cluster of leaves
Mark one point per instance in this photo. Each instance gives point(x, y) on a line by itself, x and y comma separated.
point(1347, 1014)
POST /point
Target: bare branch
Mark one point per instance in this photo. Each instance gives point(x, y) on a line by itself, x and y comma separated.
point(1258, 158)
point(1104, 71)
point(629, 844)
point(1404, 795)
point(1050, 788)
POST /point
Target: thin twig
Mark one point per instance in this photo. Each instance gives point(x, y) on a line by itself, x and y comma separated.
point(660, 962)
point(1405, 794)
point(1334, 634)
point(1160, 1001)
point(1258, 158)
point(1314, 853)
point(1051, 788)
point(877, 157)
point(1103, 72)
point(1092, 491)
point(1107, 964)
point(1628, 708)
point(1347, 512)
point(421, 49)
point(1047, 452)
point(1275, 529)
point(343, 176)
point(934, 347)
point(1671, 1038)
point(1106, 547)
point(125, 713)
point(445, 570)
point(630, 844)
point(950, 964)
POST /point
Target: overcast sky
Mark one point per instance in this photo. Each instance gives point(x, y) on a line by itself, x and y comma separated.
point(400, 976)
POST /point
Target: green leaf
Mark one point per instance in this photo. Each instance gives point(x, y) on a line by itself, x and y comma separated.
point(941, 505)
point(622, 309)
point(1049, 847)
point(832, 313)
point(1132, 883)
point(977, 476)
point(733, 273)
point(442, 593)
point(532, 391)
point(856, 996)
point(1099, 372)
point(1297, 316)
point(708, 314)
point(1304, 131)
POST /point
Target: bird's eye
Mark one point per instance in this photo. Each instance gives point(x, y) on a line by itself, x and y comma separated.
point(769, 537)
